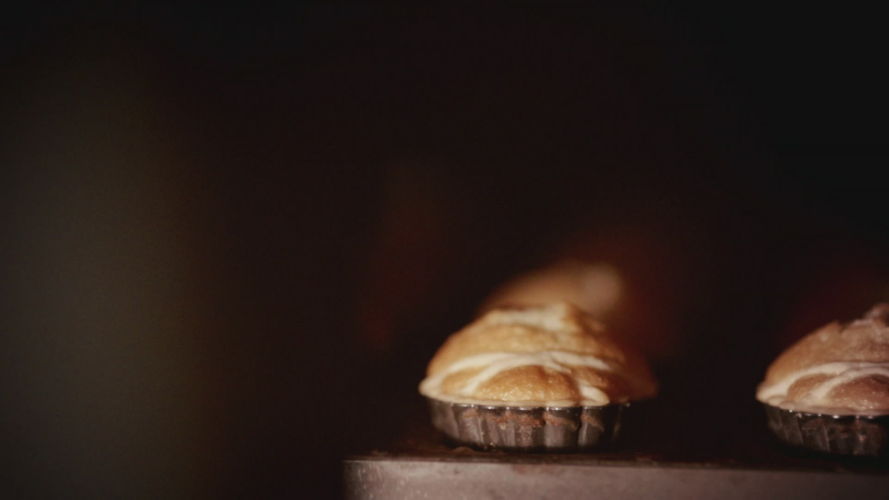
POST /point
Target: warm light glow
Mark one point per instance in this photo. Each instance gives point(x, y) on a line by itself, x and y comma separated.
point(595, 288)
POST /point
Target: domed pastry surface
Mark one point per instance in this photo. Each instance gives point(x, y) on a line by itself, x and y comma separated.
point(840, 369)
point(553, 355)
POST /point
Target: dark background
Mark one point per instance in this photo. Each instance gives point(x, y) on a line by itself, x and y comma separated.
point(234, 236)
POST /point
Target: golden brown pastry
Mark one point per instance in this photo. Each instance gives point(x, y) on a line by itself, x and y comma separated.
point(554, 355)
point(840, 369)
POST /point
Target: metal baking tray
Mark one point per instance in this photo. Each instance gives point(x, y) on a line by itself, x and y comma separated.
point(701, 452)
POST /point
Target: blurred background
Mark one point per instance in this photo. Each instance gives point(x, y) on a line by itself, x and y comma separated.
point(233, 237)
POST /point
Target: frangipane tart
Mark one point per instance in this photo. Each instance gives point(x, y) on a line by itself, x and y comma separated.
point(540, 377)
point(830, 391)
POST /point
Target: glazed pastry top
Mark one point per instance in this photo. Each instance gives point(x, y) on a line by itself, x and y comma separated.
point(840, 369)
point(553, 355)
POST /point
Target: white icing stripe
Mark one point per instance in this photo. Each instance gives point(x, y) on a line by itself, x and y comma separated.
point(550, 318)
point(825, 387)
point(843, 372)
point(503, 365)
point(590, 393)
point(498, 362)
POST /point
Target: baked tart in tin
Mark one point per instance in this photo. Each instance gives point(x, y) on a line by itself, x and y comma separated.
point(534, 378)
point(829, 392)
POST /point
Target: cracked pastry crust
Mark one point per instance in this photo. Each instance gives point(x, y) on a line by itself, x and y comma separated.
point(553, 355)
point(840, 369)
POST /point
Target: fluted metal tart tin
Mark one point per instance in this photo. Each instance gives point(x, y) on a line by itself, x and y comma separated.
point(522, 428)
point(857, 435)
